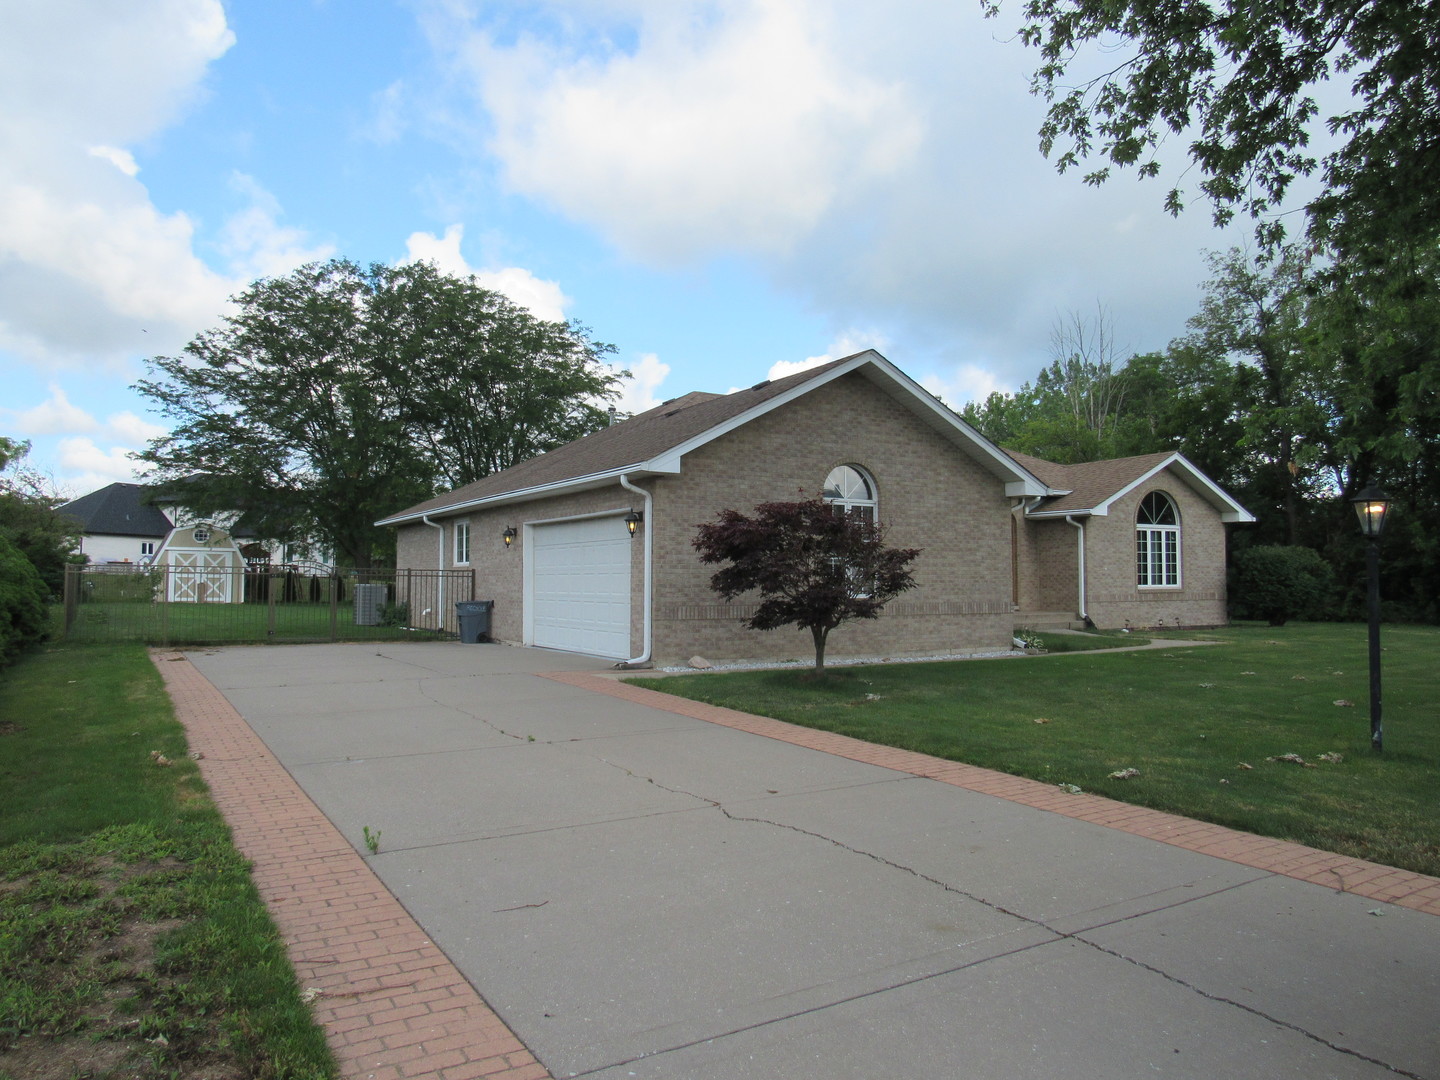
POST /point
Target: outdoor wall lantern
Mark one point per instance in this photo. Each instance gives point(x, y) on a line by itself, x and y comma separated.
point(1373, 508)
point(633, 520)
point(509, 536)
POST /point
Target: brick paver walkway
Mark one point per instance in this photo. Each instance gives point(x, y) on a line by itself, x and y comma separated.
point(393, 1004)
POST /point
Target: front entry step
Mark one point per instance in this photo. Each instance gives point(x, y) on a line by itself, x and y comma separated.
point(1048, 620)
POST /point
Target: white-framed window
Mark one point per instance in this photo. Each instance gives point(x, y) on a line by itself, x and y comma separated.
point(462, 543)
point(147, 547)
point(849, 488)
point(1157, 542)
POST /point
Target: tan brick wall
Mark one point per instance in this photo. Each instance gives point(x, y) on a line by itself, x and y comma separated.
point(1116, 600)
point(930, 495)
point(1049, 579)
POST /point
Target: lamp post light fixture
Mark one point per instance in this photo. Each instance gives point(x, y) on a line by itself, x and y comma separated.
point(633, 520)
point(1373, 508)
point(508, 536)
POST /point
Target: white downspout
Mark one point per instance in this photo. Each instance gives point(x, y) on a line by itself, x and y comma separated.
point(1081, 526)
point(644, 656)
point(439, 565)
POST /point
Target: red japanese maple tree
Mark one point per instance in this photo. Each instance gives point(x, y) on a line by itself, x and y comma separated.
point(813, 565)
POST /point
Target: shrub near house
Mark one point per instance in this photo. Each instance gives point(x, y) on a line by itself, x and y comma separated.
point(22, 603)
point(1278, 584)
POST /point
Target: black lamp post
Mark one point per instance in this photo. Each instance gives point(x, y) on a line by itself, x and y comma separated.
point(1373, 508)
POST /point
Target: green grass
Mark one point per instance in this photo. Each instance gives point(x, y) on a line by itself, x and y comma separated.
point(1188, 718)
point(219, 624)
point(1086, 641)
point(132, 940)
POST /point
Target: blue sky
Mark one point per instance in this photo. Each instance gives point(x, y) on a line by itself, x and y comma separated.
point(723, 189)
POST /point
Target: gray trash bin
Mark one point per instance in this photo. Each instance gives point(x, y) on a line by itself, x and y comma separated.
point(474, 617)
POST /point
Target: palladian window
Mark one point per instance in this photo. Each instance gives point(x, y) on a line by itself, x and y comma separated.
point(852, 491)
point(1157, 542)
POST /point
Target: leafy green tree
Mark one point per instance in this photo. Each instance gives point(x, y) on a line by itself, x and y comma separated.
point(485, 383)
point(1074, 409)
point(1258, 315)
point(22, 602)
point(813, 567)
point(28, 518)
point(338, 394)
point(1382, 336)
point(1238, 80)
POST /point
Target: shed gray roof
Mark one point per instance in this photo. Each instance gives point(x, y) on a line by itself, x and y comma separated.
point(117, 510)
point(653, 441)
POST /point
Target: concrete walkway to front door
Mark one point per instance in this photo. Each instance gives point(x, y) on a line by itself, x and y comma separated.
point(644, 887)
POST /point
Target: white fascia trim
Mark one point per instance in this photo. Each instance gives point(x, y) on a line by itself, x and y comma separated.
point(560, 487)
point(1229, 509)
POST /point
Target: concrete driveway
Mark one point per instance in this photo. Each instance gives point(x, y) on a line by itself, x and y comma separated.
point(642, 894)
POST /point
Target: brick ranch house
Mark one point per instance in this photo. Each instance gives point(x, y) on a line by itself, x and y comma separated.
point(1002, 536)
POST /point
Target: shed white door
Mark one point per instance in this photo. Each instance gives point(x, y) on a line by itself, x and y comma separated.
point(580, 586)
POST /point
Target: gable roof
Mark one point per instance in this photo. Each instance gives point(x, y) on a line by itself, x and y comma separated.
point(1094, 486)
point(655, 441)
point(116, 510)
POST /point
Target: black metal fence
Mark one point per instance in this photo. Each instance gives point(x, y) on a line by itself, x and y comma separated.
point(188, 605)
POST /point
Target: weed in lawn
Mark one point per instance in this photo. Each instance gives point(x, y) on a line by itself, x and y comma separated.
point(137, 949)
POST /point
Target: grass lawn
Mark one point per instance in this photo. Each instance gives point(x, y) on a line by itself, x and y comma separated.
point(132, 941)
point(219, 624)
point(1205, 727)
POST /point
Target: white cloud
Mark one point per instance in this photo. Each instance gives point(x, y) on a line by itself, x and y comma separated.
point(443, 251)
point(86, 260)
point(121, 159)
point(847, 344)
point(90, 453)
point(544, 299)
point(736, 129)
point(255, 242)
point(964, 383)
point(85, 467)
point(126, 427)
point(638, 392)
point(877, 161)
point(56, 415)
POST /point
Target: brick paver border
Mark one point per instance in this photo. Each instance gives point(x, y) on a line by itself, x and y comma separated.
point(392, 1004)
point(1339, 872)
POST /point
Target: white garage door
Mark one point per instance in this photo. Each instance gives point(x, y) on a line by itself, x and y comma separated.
point(580, 586)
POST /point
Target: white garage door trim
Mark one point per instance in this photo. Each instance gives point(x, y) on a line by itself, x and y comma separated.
point(577, 585)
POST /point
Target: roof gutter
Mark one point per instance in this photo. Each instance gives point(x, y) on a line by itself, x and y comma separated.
point(648, 640)
point(526, 494)
point(1070, 518)
point(439, 565)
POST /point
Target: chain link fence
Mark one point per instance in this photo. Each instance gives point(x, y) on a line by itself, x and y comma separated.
point(188, 605)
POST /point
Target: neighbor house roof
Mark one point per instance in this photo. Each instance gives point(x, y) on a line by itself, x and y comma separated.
point(655, 441)
point(1093, 486)
point(116, 510)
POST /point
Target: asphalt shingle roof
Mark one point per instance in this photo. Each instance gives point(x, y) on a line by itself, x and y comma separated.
point(1089, 484)
point(627, 442)
point(117, 510)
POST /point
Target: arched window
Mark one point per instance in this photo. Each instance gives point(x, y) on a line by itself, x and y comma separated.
point(1157, 542)
point(850, 489)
